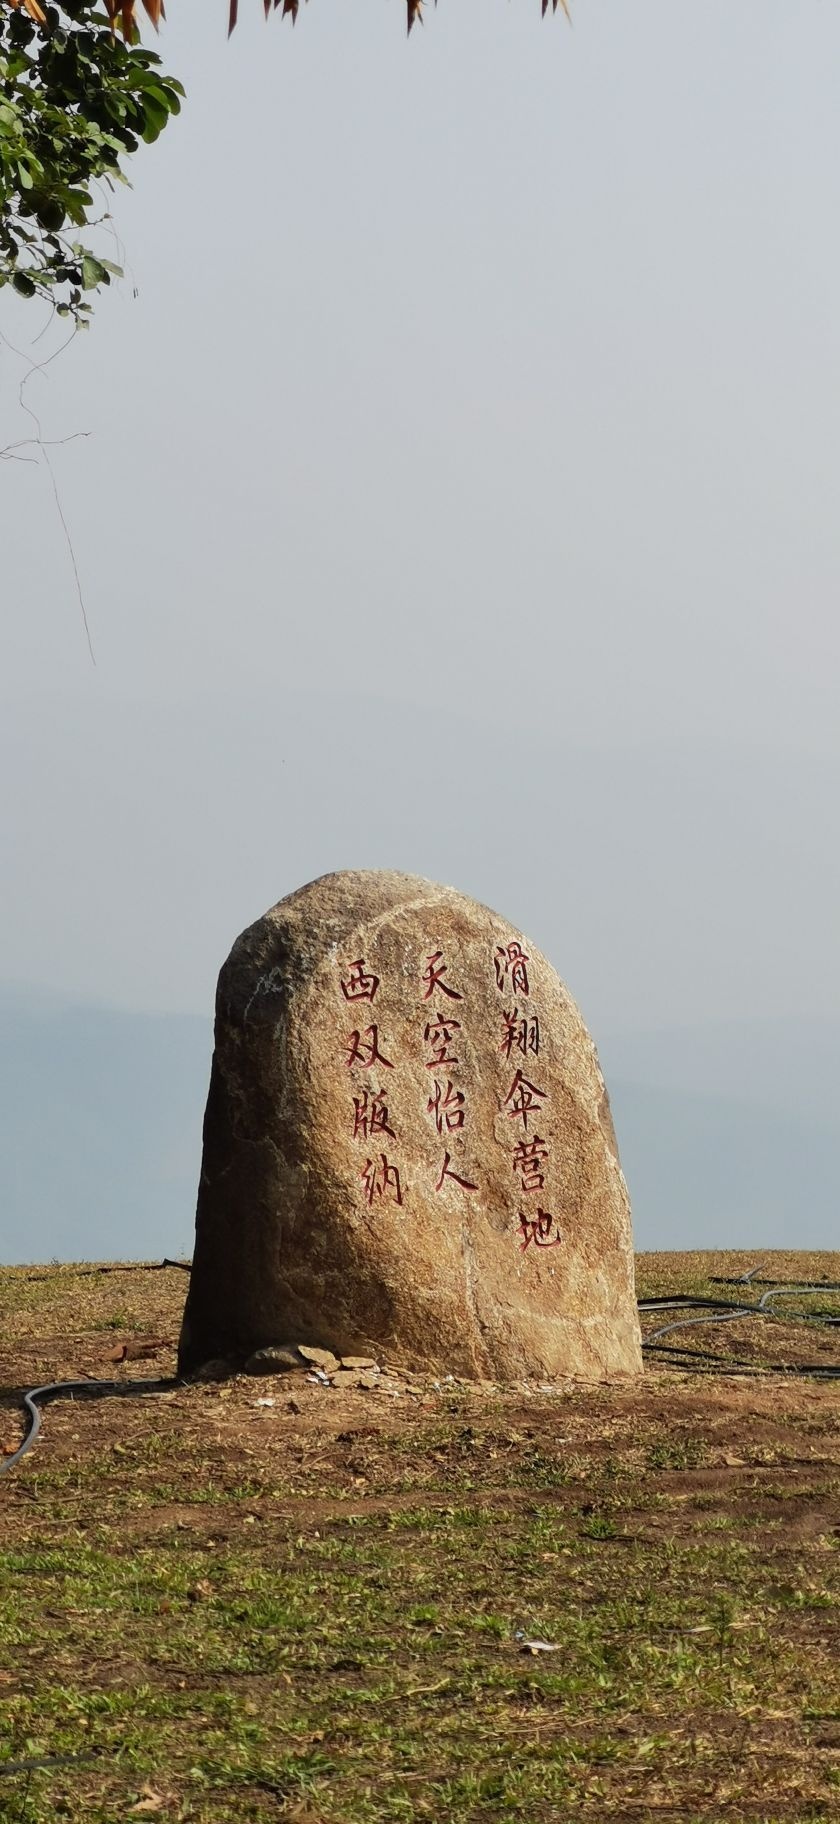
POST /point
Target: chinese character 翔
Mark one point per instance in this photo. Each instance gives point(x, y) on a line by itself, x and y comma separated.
point(522, 1098)
point(537, 1229)
point(529, 1157)
point(371, 1116)
point(381, 1180)
point(360, 984)
point(433, 976)
point(365, 1051)
point(445, 1172)
point(522, 1033)
point(448, 1109)
point(511, 960)
point(438, 1034)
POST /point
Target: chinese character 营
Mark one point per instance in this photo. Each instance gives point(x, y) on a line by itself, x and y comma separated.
point(365, 1051)
point(438, 1034)
point(511, 960)
point(448, 1109)
point(433, 976)
point(529, 1157)
point(522, 1033)
point(537, 1229)
point(360, 984)
point(381, 1179)
point(522, 1098)
point(371, 1114)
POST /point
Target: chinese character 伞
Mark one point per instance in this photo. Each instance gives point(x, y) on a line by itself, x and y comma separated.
point(522, 1098)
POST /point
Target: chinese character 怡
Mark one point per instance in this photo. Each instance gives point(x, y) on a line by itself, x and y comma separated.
point(360, 984)
point(529, 1157)
point(381, 1179)
point(522, 1033)
point(445, 1172)
point(522, 1098)
point(438, 1034)
point(511, 960)
point(433, 976)
point(371, 1114)
point(537, 1229)
point(448, 1109)
point(365, 1051)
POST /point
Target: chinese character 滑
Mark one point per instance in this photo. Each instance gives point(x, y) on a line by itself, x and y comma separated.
point(447, 1109)
point(522, 1032)
point(537, 1229)
point(438, 1034)
point(511, 960)
point(360, 984)
point(365, 1051)
point(522, 1098)
point(529, 1157)
point(446, 1173)
point(371, 1116)
point(433, 977)
point(380, 1179)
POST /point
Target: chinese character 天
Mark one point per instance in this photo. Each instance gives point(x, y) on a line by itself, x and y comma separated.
point(433, 976)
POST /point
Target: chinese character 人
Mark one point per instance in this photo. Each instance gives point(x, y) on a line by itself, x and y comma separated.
point(522, 1033)
point(511, 960)
point(438, 1034)
point(381, 1180)
point(537, 1229)
point(522, 1098)
point(365, 1051)
point(445, 1172)
point(360, 984)
point(529, 1157)
point(448, 1109)
point(433, 976)
point(371, 1114)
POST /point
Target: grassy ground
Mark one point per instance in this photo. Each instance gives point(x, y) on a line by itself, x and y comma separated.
point(313, 1609)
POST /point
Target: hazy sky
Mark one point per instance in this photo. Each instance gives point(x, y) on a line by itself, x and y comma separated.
point(460, 494)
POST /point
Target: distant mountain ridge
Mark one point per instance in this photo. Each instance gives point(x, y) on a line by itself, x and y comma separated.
point(729, 1135)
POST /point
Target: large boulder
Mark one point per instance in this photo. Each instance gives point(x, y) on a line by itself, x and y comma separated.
point(408, 1148)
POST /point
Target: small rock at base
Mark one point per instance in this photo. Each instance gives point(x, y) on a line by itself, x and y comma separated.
point(217, 1370)
point(319, 1358)
point(358, 1362)
point(278, 1358)
point(345, 1377)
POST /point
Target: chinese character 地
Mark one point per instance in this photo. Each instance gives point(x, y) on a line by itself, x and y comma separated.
point(522, 1098)
point(433, 976)
point(522, 1033)
point(510, 960)
point(529, 1157)
point(465, 1183)
point(360, 984)
point(438, 1034)
point(447, 1107)
point(537, 1229)
point(381, 1180)
point(365, 1051)
point(371, 1114)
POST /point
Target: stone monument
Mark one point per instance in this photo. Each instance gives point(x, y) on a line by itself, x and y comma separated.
point(408, 1148)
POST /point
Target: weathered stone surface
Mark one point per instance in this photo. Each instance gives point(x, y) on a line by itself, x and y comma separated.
point(319, 1358)
point(278, 1358)
point(408, 1148)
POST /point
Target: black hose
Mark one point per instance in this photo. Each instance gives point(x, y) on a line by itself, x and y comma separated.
point(56, 1390)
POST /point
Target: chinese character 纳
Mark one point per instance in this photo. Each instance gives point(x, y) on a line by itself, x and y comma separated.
point(522, 1032)
point(538, 1229)
point(522, 1098)
point(365, 1051)
point(438, 1034)
point(433, 977)
point(511, 960)
point(445, 1172)
point(529, 1157)
point(371, 1116)
point(378, 1180)
point(448, 1109)
point(360, 985)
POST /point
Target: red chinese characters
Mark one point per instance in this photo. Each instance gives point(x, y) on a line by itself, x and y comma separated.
point(433, 976)
point(365, 1050)
point(438, 1036)
point(538, 1229)
point(523, 1098)
point(446, 1172)
point(371, 1114)
point(511, 965)
point(521, 1033)
point(529, 1158)
point(447, 1106)
point(380, 1179)
point(360, 985)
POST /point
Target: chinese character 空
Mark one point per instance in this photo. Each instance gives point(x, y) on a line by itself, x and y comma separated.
point(433, 976)
point(371, 1114)
point(365, 1051)
point(438, 1034)
point(448, 1109)
point(529, 1157)
point(381, 1179)
point(511, 960)
point(522, 1033)
point(522, 1098)
point(537, 1229)
point(360, 984)
point(445, 1172)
